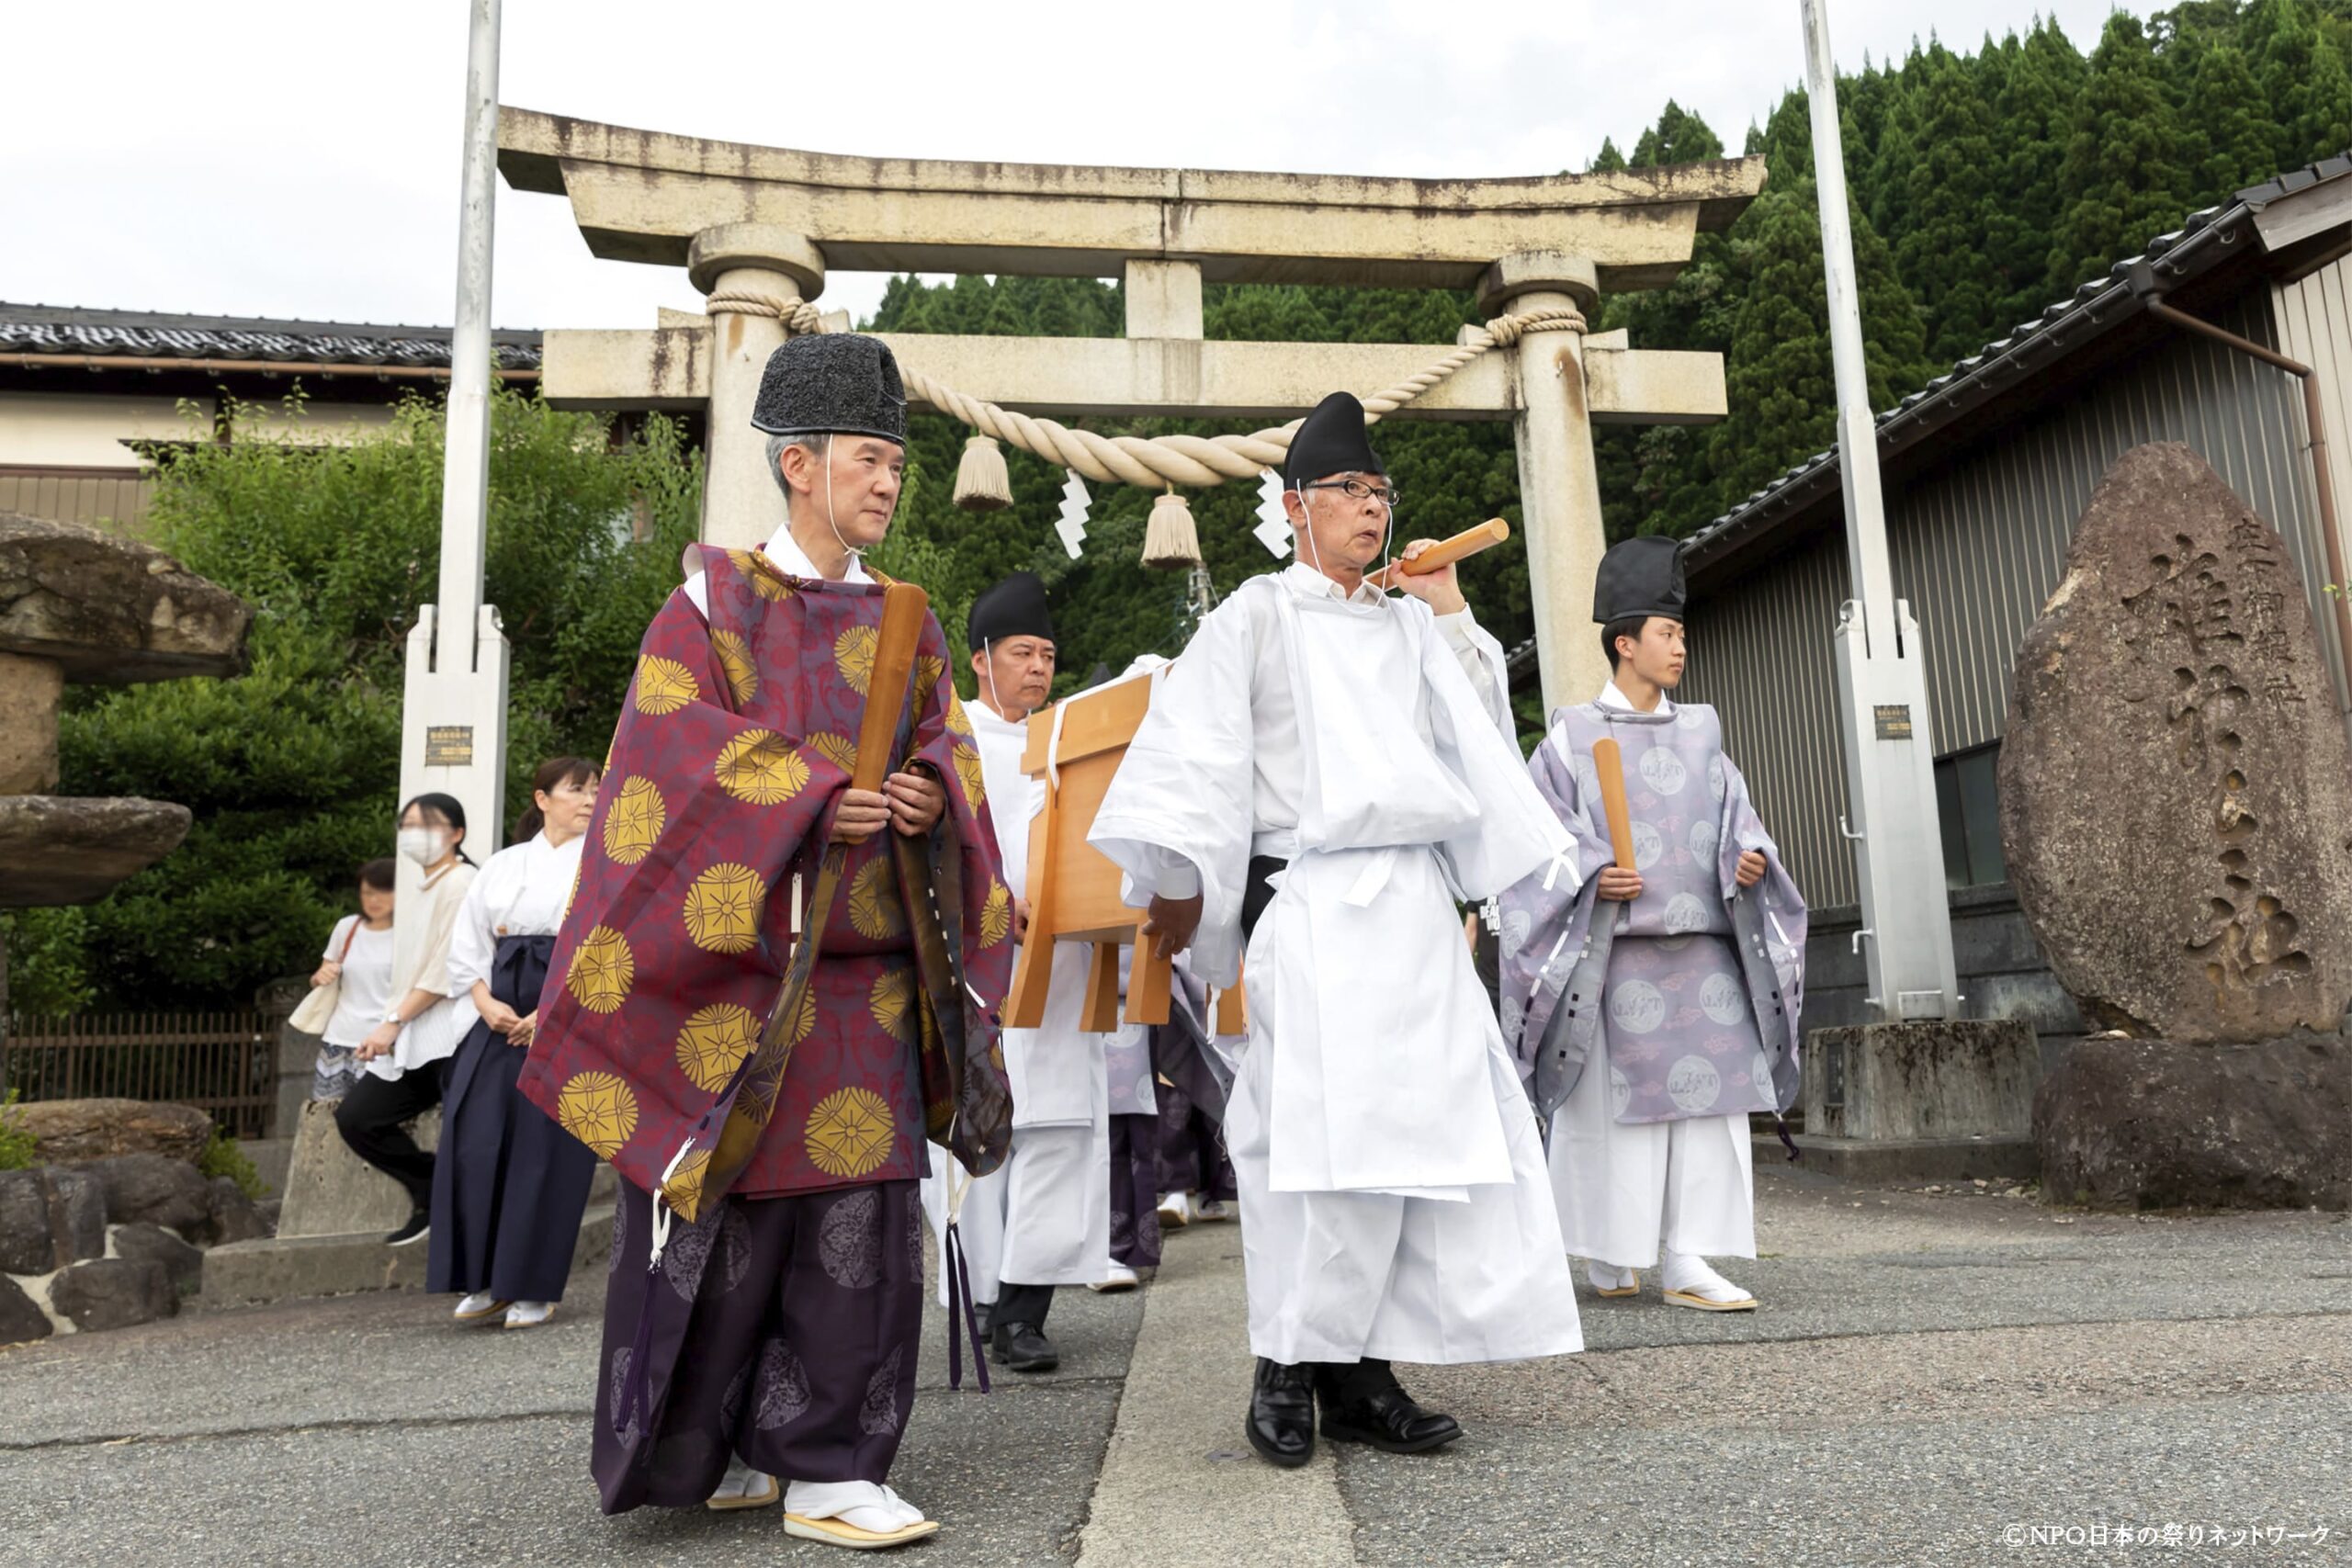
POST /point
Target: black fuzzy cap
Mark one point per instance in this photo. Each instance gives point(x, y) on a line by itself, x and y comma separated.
point(836, 383)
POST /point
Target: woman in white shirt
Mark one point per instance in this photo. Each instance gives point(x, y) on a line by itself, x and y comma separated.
point(358, 963)
point(406, 1053)
point(510, 1185)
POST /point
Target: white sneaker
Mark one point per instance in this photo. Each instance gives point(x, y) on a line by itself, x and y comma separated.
point(744, 1487)
point(479, 1305)
point(856, 1514)
point(529, 1314)
point(1687, 1281)
point(1120, 1278)
point(1210, 1210)
point(1608, 1281)
point(1175, 1212)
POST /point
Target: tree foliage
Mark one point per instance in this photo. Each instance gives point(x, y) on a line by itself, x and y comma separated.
point(291, 769)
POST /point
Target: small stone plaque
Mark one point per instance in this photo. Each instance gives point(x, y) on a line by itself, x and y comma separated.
point(449, 745)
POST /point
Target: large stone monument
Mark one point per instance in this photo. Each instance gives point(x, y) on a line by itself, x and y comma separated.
point(79, 604)
point(2177, 811)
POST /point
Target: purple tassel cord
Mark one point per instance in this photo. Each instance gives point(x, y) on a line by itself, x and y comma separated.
point(960, 1306)
point(636, 1388)
point(1788, 1143)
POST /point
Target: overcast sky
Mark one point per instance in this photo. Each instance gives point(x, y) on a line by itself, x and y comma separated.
point(300, 159)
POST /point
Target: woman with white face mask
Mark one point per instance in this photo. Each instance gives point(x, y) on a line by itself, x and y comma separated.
point(407, 1053)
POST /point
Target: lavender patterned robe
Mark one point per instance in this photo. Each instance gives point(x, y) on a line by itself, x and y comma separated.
point(1699, 982)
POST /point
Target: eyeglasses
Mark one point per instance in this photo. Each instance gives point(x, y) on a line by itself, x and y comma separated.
point(1387, 495)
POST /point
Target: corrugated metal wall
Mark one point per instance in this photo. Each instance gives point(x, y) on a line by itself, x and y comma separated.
point(78, 495)
point(1764, 657)
point(1977, 546)
point(2314, 316)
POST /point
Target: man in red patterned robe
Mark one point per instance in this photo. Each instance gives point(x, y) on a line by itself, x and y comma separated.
point(765, 1297)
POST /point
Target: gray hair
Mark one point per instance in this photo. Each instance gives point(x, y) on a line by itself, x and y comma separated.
point(776, 444)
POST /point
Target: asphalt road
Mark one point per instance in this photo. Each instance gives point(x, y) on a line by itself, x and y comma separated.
point(1931, 1376)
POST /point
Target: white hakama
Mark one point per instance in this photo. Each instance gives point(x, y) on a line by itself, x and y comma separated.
point(1393, 1194)
point(1622, 1187)
point(1044, 1216)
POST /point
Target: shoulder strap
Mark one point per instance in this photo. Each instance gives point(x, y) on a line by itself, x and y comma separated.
point(350, 935)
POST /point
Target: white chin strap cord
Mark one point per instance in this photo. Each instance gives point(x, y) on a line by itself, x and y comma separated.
point(856, 555)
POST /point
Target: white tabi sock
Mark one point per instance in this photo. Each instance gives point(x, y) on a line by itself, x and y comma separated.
point(865, 1503)
point(740, 1482)
point(1682, 1272)
point(1608, 1276)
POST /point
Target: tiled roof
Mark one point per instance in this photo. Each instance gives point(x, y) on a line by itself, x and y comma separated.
point(2066, 326)
point(51, 329)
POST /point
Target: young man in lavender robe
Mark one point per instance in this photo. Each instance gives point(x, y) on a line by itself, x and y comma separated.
point(1042, 1219)
point(1653, 1008)
point(761, 1029)
point(1328, 773)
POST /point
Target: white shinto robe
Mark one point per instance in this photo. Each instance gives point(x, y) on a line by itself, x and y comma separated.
point(1044, 1216)
point(1394, 1195)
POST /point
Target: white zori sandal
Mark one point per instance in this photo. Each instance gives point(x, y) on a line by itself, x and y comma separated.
point(1689, 1282)
point(744, 1487)
point(860, 1514)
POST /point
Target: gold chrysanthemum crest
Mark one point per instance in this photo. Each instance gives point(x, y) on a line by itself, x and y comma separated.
point(735, 663)
point(722, 908)
point(601, 970)
point(599, 1110)
point(713, 1043)
point(760, 767)
point(761, 573)
point(838, 749)
point(854, 653)
point(634, 822)
point(996, 914)
point(850, 1133)
point(874, 911)
point(892, 1002)
point(664, 685)
point(968, 769)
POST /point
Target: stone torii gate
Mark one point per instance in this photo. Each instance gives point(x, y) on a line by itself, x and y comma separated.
point(747, 221)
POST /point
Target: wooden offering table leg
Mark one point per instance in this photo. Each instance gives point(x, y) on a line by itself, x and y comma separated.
point(1102, 1016)
point(1232, 1010)
point(1150, 981)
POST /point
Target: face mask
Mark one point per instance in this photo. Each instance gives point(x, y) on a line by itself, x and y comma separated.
point(423, 845)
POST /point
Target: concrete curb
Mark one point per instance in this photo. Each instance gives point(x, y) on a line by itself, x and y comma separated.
point(244, 1273)
point(1180, 1484)
point(1884, 1161)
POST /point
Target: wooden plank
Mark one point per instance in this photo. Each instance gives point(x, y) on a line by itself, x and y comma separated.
point(1150, 985)
point(1096, 721)
point(1101, 1015)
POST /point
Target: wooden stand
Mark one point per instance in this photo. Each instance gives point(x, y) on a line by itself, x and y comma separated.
point(1073, 887)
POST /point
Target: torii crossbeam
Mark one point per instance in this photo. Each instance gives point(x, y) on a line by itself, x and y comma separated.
point(772, 221)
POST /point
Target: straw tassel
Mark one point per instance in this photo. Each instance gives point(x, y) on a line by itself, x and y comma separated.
point(981, 482)
point(1170, 538)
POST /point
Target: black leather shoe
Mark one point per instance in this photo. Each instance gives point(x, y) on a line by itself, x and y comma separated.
point(1282, 1413)
point(1023, 1348)
point(1364, 1404)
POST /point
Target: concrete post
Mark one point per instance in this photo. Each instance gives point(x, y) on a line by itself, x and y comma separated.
point(741, 505)
point(1559, 485)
